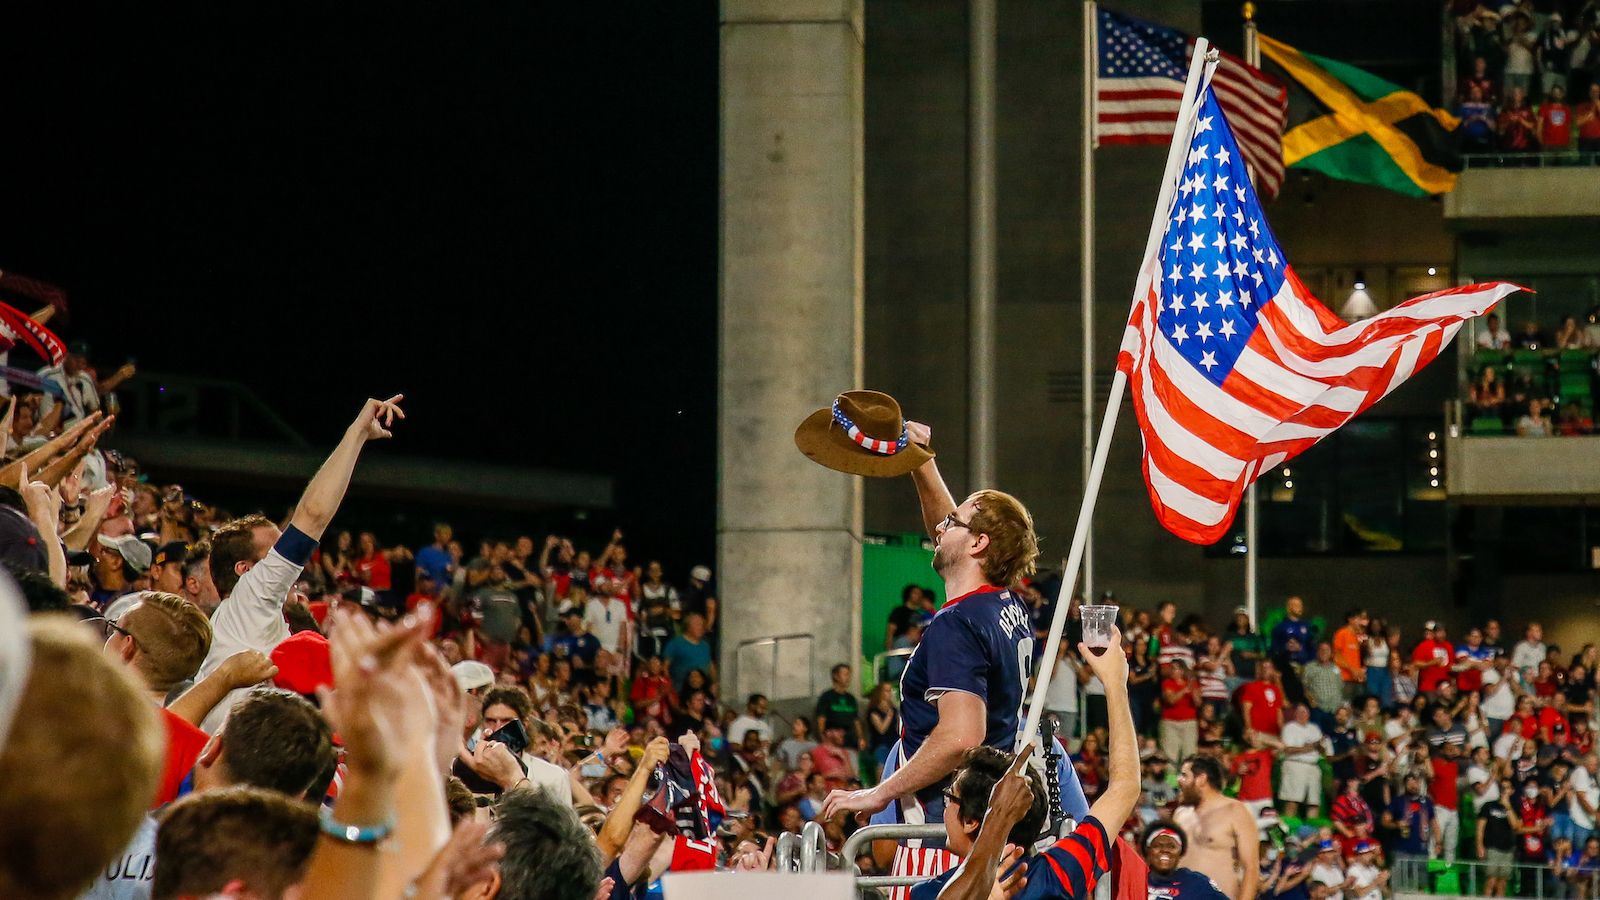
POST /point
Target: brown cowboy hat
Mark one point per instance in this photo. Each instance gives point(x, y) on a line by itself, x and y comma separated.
point(862, 433)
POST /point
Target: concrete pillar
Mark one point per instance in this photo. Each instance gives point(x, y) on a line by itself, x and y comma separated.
point(788, 531)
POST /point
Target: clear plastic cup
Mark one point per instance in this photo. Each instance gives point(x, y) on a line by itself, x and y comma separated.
point(1097, 624)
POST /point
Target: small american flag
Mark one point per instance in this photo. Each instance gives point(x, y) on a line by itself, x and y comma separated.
point(1140, 85)
point(1233, 365)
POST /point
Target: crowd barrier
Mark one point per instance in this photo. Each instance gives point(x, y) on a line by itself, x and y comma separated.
point(1468, 878)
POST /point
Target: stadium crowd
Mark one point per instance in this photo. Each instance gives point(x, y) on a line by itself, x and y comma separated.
point(239, 707)
point(1529, 78)
point(1536, 383)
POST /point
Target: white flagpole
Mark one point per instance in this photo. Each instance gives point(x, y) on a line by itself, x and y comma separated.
point(1091, 65)
point(1119, 384)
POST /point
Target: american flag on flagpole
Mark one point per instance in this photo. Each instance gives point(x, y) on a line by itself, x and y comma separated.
point(1139, 85)
point(1233, 365)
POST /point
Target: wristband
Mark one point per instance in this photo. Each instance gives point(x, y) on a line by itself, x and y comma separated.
point(353, 834)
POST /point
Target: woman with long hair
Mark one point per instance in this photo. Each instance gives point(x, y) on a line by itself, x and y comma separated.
point(1375, 657)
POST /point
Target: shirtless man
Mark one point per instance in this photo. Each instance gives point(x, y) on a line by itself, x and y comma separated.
point(1222, 832)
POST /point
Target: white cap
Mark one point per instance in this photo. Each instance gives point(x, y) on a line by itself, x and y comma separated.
point(472, 675)
point(700, 573)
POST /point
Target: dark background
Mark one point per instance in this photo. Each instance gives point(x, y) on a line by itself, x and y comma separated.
point(506, 211)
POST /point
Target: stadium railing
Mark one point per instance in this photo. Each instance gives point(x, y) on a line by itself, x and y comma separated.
point(1466, 878)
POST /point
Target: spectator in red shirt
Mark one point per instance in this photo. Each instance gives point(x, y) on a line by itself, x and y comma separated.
point(832, 759)
point(372, 566)
point(1587, 118)
point(1254, 770)
point(1180, 703)
point(1352, 816)
point(1555, 120)
point(1517, 126)
point(1261, 701)
point(1433, 657)
point(1446, 804)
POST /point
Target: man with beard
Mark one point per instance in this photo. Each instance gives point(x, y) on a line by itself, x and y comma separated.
point(1164, 845)
point(1225, 843)
point(965, 685)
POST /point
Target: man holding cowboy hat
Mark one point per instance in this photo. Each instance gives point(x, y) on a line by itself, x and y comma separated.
point(966, 684)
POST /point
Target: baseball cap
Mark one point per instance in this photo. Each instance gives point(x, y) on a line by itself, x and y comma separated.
point(472, 675)
point(700, 573)
point(20, 544)
point(134, 552)
point(1366, 845)
point(172, 551)
point(1326, 845)
point(303, 663)
point(1430, 625)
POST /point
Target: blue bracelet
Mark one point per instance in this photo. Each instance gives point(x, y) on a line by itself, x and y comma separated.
point(353, 834)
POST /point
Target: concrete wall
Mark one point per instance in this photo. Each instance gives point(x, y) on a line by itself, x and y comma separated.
point(1494, 195)
point(788, 531)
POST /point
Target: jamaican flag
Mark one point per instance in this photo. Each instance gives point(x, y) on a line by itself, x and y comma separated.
point(1353, 125)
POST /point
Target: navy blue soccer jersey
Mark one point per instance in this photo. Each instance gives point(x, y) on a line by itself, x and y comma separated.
point(1069, 869)
point(979, 643)
point(1184, 884)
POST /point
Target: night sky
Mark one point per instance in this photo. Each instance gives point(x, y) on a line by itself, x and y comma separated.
point(507, 211)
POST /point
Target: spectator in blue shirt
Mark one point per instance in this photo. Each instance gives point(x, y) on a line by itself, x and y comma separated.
point(1293, 635)
point(434, 559)
point(1412, 813)
point(689, 651)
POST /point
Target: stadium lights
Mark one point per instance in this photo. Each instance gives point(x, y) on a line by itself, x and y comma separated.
point(1432, 270)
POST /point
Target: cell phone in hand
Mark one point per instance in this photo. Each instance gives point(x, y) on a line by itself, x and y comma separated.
point(513, 735)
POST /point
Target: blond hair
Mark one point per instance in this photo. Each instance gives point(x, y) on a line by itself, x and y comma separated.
point(81, 766)
point(173, 635)
point(1013, 547)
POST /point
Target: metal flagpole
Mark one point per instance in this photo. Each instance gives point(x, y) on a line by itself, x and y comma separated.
point(1119, 384)
point(981, 242)
point(1086, 287)
point(1252, 544)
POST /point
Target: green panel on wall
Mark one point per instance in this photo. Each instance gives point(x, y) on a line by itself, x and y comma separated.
point(888, 564)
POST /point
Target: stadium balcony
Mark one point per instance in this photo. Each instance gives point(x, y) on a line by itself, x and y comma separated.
point(1500, 188)
point(1497, 455)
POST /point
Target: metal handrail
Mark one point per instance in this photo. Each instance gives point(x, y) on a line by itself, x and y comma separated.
point(813, 847)
point(788, 843)
point(854, 844)
point(880, 659)
point(775, 642)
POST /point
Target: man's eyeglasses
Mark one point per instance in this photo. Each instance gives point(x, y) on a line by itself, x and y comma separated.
point(950, 521)
point(950, 797)
point(106, 628)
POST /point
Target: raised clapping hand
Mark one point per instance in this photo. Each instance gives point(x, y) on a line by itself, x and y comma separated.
point(919, 433)
point(751, 858)
point(247, 667)
point(377, 699)
point(377, 417)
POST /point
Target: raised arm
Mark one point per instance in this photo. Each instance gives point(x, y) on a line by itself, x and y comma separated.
point(961, 727)
point(1116, 803)
point(931, 491)
point(1009, 801)
point(614, 834)
point(327, 488)
point(41, 456)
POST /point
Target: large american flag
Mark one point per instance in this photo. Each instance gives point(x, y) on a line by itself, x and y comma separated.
point(1140, 85)
point(1233, 365)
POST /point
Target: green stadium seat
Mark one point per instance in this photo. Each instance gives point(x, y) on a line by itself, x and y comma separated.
point(1485, 358)
point(1486, 425)
point(1574, 385)
point(1574, 359)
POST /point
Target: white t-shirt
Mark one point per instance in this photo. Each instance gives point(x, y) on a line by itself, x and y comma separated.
point(1582, 783)
point(607, 620)
point(1328, 876)
point(1377, 654)
point(128, 875)
point(744, 723)
point(82, 394)
point(548, 777)
point(1499, 700)
point(1508, 746)
point(1062, 694)
point(1366, 878)
point(1295, 735)
point(1527, 656)
point(1477, 775)
point(251, 618)
point(1395, 728)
